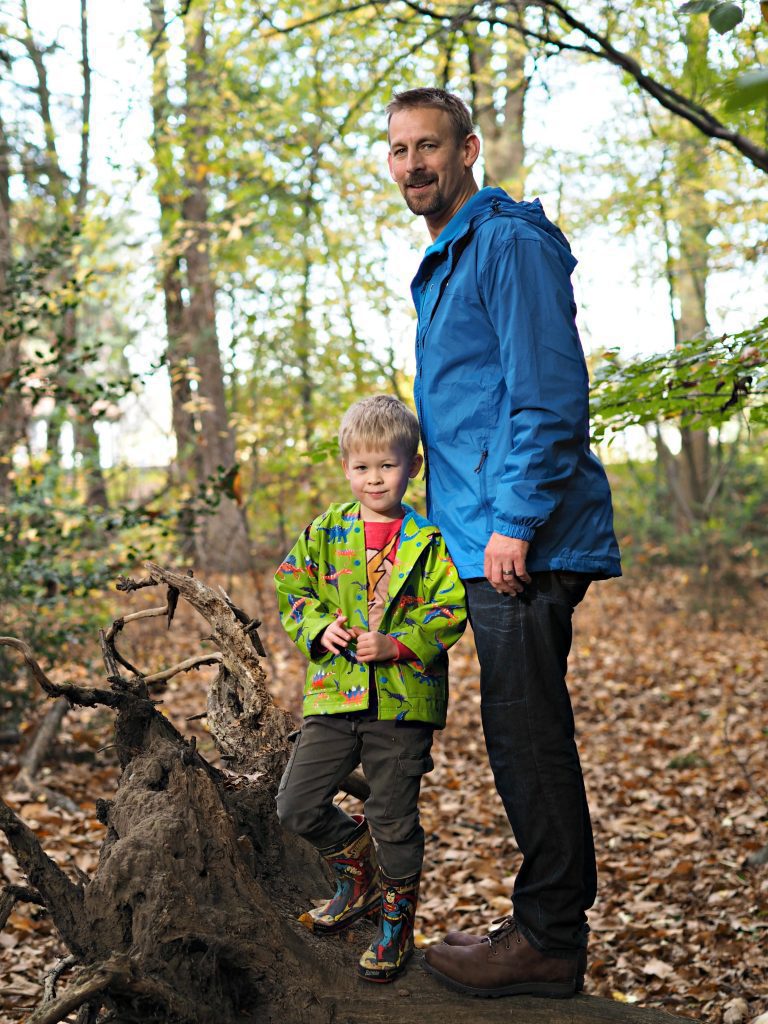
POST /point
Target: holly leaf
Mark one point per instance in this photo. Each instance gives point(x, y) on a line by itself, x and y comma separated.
point(748, 90)
point(699, 6)
point(725, 17)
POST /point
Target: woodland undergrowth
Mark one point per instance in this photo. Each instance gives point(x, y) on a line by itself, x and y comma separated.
point(670, 713)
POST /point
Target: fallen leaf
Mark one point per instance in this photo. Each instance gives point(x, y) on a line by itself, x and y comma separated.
point(658, 968)
point(735, 1011)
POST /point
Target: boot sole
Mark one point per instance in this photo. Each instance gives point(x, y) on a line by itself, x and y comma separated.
point(371, 911)
point(381, 977)
point(549, 990)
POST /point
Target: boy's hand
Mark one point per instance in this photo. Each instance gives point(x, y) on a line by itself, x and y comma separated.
point(376, 647)
point(336, 636)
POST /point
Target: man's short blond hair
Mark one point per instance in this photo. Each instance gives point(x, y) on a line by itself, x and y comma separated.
point(376, 423)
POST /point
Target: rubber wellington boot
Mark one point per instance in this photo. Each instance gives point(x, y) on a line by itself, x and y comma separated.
point(390, 951)
point(357, 884)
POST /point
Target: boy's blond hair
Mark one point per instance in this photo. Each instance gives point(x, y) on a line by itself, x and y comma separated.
point(376, 423)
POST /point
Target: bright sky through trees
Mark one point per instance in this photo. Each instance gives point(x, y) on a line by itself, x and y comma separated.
point(622, 299)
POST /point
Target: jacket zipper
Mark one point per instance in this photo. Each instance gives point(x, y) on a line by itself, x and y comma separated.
point(484, 503)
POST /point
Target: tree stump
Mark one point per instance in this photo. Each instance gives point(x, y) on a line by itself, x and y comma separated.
point(191, 914)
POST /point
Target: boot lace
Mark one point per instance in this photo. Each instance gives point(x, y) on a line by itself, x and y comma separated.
point(503, 928)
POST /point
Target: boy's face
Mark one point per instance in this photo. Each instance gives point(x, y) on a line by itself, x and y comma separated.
point(379, 480)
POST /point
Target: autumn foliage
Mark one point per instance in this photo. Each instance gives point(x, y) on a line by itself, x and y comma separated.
point(670, 720)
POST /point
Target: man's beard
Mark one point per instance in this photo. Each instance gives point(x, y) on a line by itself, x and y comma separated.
point(424, 204)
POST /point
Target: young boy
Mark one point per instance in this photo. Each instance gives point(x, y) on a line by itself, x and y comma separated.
point(371, 596)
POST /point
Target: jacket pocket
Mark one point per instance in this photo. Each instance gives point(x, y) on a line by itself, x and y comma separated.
point(481, 471)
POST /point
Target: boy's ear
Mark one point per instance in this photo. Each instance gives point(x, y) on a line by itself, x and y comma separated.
point(418, 462)
point(345, 467)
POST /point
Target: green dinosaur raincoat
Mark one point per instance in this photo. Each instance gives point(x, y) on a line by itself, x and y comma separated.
point(325, 574)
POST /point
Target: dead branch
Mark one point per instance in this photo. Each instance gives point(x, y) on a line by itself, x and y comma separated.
point(52, 977)
point(33, 757)
point(184, 666)
point(250, 626)
point(90, 982)
point(10, 895)
point(89, 1012)
point(111, 654)
point(127, 585)
point(35, 754)
point(61, 896)
point(86, 696)
point(248, 727)
point(356, 785)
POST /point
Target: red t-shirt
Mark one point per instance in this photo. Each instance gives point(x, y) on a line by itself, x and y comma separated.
point(381, 542)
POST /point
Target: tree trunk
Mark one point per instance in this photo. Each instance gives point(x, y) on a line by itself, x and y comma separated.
point(191, 914)
point(500, 119)
point(222, 539)
point(168, 190)
point(70, 210)
point(87, 444)
point(305, 335)
point(695, 460)
point(11, 421)
point(687, 278)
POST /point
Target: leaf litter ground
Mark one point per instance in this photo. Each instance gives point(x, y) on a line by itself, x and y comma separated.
point(670, 713)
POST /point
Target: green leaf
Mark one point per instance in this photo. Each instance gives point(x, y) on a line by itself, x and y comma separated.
point(748, 90)
point(699, 6)
point(725, 17)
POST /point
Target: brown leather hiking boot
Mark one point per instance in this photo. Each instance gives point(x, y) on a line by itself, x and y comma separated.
point(458, 938)
point(503, 964)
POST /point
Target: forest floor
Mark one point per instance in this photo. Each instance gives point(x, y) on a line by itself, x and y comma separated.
point(668, 682)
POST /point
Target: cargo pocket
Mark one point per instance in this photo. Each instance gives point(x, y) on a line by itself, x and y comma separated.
point(404, 794)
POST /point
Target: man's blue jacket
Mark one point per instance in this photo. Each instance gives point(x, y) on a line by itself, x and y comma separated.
point(502, 393)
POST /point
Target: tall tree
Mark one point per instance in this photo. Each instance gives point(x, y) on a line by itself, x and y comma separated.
point(11, 423)
point(205, 438)
point(499, 82)
point(60, 204)
point(187, 464)
point(687, 275)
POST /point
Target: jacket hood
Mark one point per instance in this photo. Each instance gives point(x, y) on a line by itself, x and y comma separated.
point(490, 202)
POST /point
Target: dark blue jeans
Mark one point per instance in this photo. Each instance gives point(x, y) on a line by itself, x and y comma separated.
point(522, 645)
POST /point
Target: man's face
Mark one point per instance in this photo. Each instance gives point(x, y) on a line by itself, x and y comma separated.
point(429, 166)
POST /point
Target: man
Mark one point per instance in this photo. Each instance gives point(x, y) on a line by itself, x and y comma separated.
point(502, 394)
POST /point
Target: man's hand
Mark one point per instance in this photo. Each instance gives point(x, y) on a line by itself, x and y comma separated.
point(336, 636)
point(505, 563)
point(375, 647)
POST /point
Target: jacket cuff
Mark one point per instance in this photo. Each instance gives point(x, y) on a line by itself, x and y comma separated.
point(403, 653)
point(315, 650)
point(516, 530)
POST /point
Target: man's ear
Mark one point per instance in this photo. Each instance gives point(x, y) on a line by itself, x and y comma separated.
point(418, 462)
point(471, 150)
point(389, 164)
